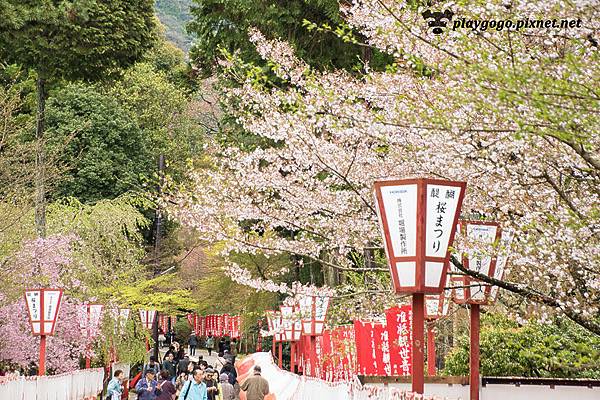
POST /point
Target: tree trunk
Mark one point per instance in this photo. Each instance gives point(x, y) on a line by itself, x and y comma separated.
point(40, 160)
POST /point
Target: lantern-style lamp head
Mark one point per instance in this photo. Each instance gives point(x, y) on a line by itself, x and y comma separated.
point(292, 327)
point(313, 310)
point(275, 325)
point(418, 221)
point(438, 305)
point(506, 238)
point(43, 306)
point(470, 290)
point(147, 317)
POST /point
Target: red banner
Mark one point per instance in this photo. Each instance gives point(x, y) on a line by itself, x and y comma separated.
point(399, 322)
point(385, 349)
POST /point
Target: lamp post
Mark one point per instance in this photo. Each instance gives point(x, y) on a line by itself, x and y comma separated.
point(43, 306)
point(274, 318)
point(292, 328)
point(475, 293)
point(418, 221)
point(147, 317)
point(89, 321)
point(313, 310)
point(436, 307)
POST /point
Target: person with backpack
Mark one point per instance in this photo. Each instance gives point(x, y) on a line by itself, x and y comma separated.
point(146, 387)
point(210, 344)
point(194, 389)
point(226, 390)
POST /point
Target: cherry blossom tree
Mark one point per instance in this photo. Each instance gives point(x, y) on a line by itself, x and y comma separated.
point(514, 112)
point(41, 263)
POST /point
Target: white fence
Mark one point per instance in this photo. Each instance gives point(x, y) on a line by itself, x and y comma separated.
point(76, 385)
point(498, 391)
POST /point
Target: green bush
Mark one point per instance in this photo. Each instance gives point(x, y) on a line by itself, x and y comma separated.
point(559, 350)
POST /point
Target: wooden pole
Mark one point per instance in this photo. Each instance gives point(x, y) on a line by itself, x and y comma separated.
point(430, 350)
point(474, 353)
point(418, 309)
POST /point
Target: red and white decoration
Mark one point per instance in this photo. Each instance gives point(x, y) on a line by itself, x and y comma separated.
point(147, 317)
point(89, 317)
point(216, 325)
point(418, 220)
point(43, 306)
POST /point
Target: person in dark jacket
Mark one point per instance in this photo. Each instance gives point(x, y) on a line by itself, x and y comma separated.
point(146, 387)
point(169, 366)
point(230, 370)
point(212, 386)
point(182, 365)
point(193, 342)
point(165, 387)
point(221, 346)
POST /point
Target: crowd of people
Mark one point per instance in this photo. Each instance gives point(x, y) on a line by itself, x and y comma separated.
point(180, 378)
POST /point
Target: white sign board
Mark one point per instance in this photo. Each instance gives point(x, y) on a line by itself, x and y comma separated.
point(442, 203)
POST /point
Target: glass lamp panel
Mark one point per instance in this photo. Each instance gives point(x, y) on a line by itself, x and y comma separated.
point(400, 207)
point(442, 206)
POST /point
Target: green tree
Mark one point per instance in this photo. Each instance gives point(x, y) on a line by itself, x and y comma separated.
point(560, 349)
point(106, 151)
point(223, 24)
point(59, 39)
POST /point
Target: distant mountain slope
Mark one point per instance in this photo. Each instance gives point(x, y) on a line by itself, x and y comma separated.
point(174, 15)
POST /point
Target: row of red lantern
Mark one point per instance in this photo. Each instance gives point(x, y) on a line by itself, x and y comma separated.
point(216, 325)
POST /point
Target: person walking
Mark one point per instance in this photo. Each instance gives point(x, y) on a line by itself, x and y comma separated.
point(193, 342)
point(226, 390)
point(194, 389)
point(165, 387)
point(221, 347)
point(114, 390)
point(146, 387)
point(256, 387)
point(210, 344)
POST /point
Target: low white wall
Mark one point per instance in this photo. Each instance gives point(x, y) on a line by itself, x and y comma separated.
point(505, 392)
point(75, 385)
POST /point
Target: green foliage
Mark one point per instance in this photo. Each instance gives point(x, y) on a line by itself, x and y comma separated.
point(162, 293)
point(109, 248)
point(106, 150)
point(223, 25)
point(129, 344)
point(558, 350)
point(76, 40)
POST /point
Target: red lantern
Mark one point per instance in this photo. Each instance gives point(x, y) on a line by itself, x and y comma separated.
point(43, 306)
